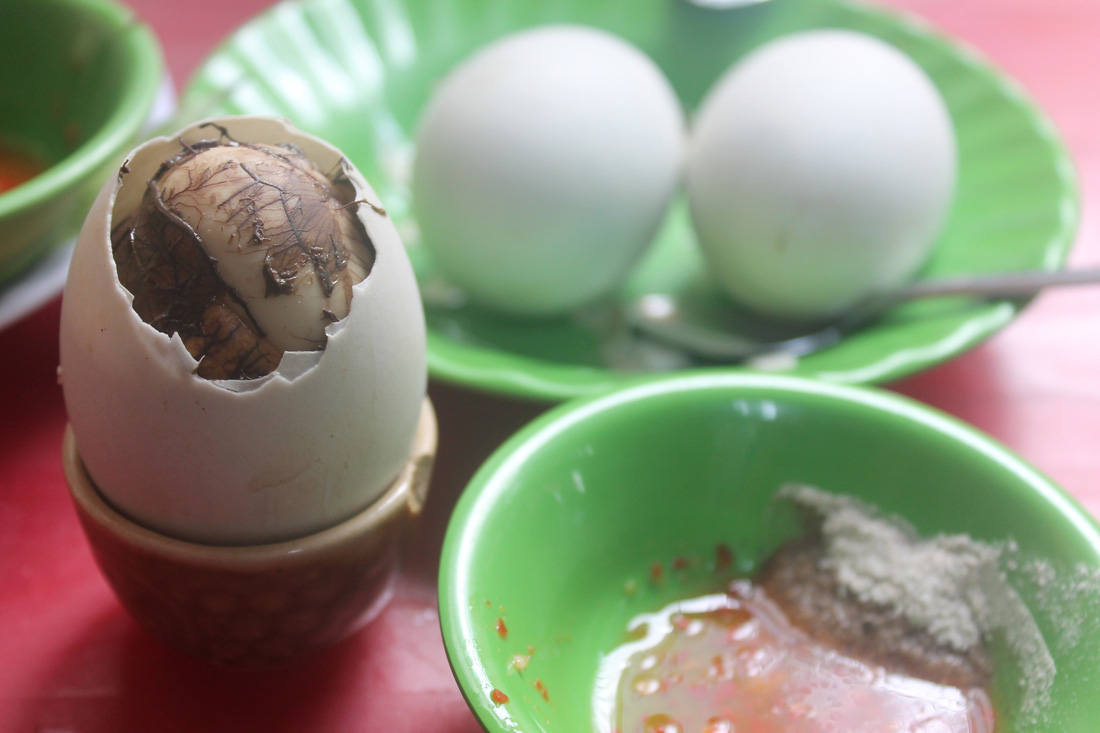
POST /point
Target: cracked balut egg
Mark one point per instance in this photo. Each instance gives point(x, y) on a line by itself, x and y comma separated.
point(242, 339)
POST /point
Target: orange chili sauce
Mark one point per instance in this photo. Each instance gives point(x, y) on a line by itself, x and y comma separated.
point(732, 662)
point(16, 167)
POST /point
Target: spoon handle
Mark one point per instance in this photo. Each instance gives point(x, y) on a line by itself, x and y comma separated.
point(1005, 285)
point(699, 331)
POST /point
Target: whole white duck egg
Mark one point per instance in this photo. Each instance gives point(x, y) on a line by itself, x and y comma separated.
point(544, 166)
point(822, 167)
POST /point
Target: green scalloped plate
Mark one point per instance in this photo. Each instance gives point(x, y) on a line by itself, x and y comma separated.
point(357, 73)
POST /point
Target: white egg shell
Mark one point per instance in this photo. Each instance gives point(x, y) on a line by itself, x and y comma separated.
point(239, 462)
point(544, 165)
point(821, 167)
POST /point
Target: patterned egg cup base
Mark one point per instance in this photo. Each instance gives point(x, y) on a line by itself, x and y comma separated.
point(256, 605)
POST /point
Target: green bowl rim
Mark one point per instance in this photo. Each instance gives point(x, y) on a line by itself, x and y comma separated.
point(120, 128)
point(492, 481)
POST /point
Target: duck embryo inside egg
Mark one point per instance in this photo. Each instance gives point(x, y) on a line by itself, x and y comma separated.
point(244, 250)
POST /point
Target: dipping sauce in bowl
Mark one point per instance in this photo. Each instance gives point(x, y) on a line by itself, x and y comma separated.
point(733, 662)
point(16, 166)
point(846, 630)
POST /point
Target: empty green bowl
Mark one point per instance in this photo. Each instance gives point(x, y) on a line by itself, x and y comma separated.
point(78, 78)
point(550, 549)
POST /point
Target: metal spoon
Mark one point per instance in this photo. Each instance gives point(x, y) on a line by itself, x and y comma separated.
point(704, 324)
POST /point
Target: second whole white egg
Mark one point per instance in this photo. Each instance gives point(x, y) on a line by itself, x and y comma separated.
point(822, 168)
point(545, 163)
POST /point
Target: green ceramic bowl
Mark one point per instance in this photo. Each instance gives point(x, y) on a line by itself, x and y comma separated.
point(78, 78)
point(585, 500)
point(358, 72)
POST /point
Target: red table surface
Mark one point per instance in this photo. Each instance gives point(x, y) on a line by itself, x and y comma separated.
point(72, 660)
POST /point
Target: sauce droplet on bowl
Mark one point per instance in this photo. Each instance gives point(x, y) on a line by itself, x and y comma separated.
point(16, 167)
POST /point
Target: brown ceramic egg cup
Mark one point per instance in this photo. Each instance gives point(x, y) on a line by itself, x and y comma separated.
point(257, 604)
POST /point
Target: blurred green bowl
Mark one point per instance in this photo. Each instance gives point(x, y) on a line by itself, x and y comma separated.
point(588, 497)
point(78, 79)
